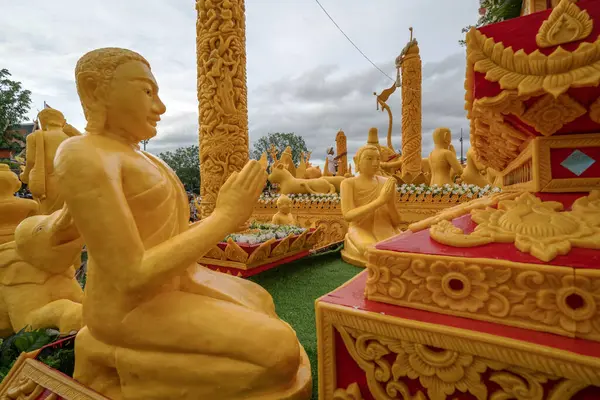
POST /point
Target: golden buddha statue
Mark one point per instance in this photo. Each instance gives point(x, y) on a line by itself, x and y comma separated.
point(38, 287)
point(41, 147)
point(442, 160)
point(472, 173)
point(13, 209)
point(284, 215)
point(369, 206)
point(157, 324)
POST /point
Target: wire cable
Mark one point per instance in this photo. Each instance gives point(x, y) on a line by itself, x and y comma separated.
point(351, 42)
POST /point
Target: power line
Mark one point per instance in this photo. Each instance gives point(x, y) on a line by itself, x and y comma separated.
point(350, 40)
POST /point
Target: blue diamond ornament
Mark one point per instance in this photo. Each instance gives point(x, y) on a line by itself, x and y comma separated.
point(578, 162)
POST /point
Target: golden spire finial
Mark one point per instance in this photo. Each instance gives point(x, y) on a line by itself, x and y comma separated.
point(411, 33)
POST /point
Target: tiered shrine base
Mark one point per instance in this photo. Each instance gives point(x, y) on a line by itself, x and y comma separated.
point(327, 215)
point(372, 350)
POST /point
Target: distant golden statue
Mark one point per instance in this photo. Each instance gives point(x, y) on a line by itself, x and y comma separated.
point(13, 209)
point(41, 148)
point(473, 173)
point(284, 215)
point(369, 205)
point(159, 325)
point(442, 160)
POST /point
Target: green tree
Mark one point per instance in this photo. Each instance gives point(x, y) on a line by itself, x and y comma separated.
point(280, 141)
point(14, 106)
point(492, 11)
point(185, 162)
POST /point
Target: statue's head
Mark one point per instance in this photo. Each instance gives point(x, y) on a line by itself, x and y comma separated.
point(442, 137)
point(119, 94)
point(367, 160)
point(284, 204)
point(51, 119)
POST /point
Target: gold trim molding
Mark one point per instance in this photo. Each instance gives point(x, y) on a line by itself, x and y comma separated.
point(545, 298)
point(29, 377)
point(444, 359)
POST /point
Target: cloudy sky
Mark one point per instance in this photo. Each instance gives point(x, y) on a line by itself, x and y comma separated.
point(303, 74)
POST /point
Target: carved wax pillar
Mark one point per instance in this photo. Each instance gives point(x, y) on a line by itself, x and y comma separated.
point(341, 150)
point(222, 94)
point(410, 63)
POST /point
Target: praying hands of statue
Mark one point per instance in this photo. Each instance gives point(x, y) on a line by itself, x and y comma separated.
point(233, 199)
point(387, 192)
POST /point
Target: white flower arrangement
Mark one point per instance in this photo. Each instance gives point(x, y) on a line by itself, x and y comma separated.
point(260, 233)
point(471, 191)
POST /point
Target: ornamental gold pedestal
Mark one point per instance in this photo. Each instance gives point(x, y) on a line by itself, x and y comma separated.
point(373, 350)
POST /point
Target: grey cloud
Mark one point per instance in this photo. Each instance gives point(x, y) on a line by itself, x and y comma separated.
point(303, 75)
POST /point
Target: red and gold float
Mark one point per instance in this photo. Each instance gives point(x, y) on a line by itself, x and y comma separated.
point(496, 298)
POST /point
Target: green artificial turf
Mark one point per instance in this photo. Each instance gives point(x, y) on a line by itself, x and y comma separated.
point(296, 286)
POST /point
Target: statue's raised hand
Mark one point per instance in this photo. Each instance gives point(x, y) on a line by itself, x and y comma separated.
point(388, 191)
point(239, 194)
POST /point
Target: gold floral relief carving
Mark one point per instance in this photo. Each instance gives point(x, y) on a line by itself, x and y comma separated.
point(496, 141)
point(567, 23)
point(544, 298)
point(539, 228)
point(352, 392)
point(534, 73)
point(549, 114)
point(443, 372)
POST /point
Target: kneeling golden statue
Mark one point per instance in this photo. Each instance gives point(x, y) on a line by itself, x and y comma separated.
point(157, 324)
point(369, 205)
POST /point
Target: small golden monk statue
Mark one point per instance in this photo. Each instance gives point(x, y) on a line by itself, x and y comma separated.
point(13, 209)
point(442, 160)
point(284, 215)
point(41, 148)
point(157, 324)
point(369, 206)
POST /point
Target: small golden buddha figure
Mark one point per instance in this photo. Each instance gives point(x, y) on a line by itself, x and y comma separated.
point(369, 206)
point(13, 209)
point(442, 160)
point(284, 215)
point(472, 174)
point(41, 148)
point(158, 324)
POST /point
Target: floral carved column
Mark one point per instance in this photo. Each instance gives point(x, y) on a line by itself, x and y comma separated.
point(342, 152)
point(409, 62)
point(222, 94)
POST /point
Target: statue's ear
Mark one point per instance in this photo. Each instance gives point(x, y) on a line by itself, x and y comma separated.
point(280, 166)
point(90, 88)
